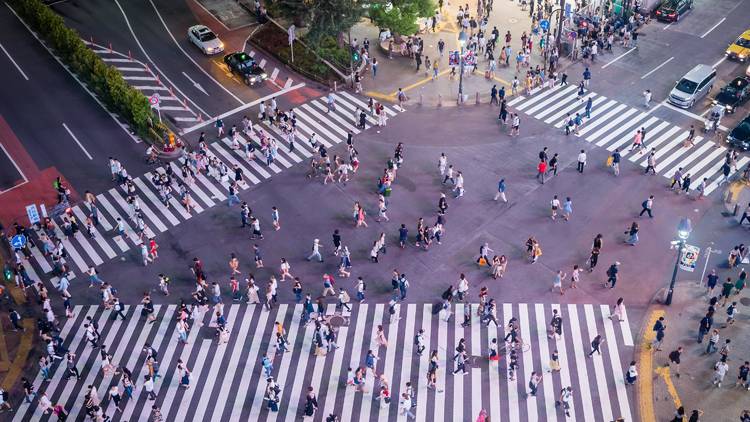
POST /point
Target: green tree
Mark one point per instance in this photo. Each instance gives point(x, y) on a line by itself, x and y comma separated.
point(400, 16)
point(332, 17)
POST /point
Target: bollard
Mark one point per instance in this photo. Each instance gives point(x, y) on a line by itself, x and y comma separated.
point(335, 86)
point(736, 210)
point(420, 98)
point(440, 100)
point(171, 93)
point(158, 82)
point(130, 56)
point(477, 97)
point(110, 48)
point(184, 103)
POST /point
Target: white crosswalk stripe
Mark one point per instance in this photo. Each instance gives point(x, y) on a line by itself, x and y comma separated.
point(613, 125)
point(216, 368)
point(206, 191)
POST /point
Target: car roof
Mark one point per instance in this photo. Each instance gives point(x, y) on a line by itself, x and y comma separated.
point(740, 82)
point(201, 28)
point(698, 73)
point(745, 35)
point(241, 55)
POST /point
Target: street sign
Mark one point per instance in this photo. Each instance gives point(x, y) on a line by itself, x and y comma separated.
point(544, 24)
point(689, 257)
point(453, 58)
point(33, 214)
point(154, 100)
point(18, 241)
point(290, 32)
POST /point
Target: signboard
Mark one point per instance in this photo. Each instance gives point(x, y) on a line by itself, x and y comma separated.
point(544, 24)
point(33, 214)
point(453, 58)
point(290, 32)
point(154, 100)
point(470, 58)
point(689, 257)
point(18, 241)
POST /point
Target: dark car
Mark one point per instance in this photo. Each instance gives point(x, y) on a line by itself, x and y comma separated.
point(672, 10)
point(734, 94)
point(739, 137)
point(246, 67)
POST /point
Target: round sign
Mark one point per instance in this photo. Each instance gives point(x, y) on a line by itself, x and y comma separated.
point(154, 99)
point(18, 241)
point(544, 24)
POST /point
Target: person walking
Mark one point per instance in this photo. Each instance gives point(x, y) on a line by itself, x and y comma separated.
point(632, 375)
point(557, 282)
point(534, 381)
point(501, 191)
point(581, 161)
point(596, 344)
point(674, 359)
point(647, 98)
point(720, 370)
point(647, 207)
point(316, 251)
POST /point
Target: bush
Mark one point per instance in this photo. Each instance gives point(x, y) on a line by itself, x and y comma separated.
point(104, 80)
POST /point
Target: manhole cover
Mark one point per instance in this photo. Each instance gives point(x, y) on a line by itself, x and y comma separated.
point(512, 20)
point(338, 321)
point(745, 301)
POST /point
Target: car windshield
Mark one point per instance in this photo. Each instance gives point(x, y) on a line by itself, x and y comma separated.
point(743, 42)
point(207, 36)
point(686, 86)
point(246, 65)
point(743, 130)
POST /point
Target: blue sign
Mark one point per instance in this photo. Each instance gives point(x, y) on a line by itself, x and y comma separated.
point(544, 24)
point(18, 241)
point(568, 10)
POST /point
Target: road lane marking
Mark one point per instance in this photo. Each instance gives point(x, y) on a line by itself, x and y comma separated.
point(77, 141)
point(667, 26)
point(715, 65)
point(713, 27)
point(657, 68)
point(689, 114)
point(275, 73)
point(618, 58)
point(14, 62)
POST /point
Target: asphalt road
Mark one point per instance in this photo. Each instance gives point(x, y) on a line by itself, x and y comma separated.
point(39, 109)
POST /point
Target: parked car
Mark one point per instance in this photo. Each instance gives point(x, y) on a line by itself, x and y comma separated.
point(739, 137)
point(672, 10)
point(205, 39)
point(246, 67)
point(734, 94)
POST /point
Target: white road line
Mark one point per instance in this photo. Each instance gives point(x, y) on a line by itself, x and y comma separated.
point(632, 124)
point(252, 355)
point(88, 248)
point(623, 141)
point(650, 133)
point(516, 100)
point(356, 353)
point(155, 220)
point(255, 403)
point(667, 26)
point(536, 105)
point(77, 258)
point(217, 357)
point(514, 410)
point(120, 200)
point(351, 108)
point(547, 387)
point(611, 124)
point(654, 144)
point(172, 201)
point(156, 201)
point(544, 94)
point(713, 27)
point(577, 106)
point(458, 377)
point(301, 126)
point(228, 144)
point(476, 372)
point(116, 60)
point(407, 350)
point(564, 368)
point(320, 361)
point(363, 104)
point(138, 78)
point(323, 119)
point(580, 359)
point(275, 73)
point(194, 187)
point(14, 62)
point(284, 367)
point(369, 396)
point(600, 376)
point(494, 367)
point(618, 58)
point(198, 369)
point(98, 237)
point(716, 153)
point(151, 88)
point(528, 359)
point(302, 147)
point(262, 62)
point(18, 169)
point(251, 53)
point(668, 147)
point(689, 114)
point(246, 173)
point(550, 103)
point(130, 69)
point(334, 380)
point(715, 184)
point(421, 389)
point(281, 141)
point(614, 357)
point(61, 367)
point(595, 111)
point(699, 148)
point(288, 83)
point(77, 141)
point(115, 215)
point(657, 68)
point(712, 171)
point(596, 121)
point(715, 65)
point(627, 336)
point(442, 355)
point(36, 253)
point(293, 396)
point(336, 117)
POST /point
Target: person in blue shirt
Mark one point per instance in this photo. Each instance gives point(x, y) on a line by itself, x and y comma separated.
point(501, 191)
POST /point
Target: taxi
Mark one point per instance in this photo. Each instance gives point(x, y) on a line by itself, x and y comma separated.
point(740, 49)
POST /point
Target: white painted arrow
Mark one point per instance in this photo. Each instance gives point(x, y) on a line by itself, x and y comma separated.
point(195, 84)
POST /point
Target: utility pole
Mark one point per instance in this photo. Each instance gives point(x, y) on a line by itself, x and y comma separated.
point(560, 24)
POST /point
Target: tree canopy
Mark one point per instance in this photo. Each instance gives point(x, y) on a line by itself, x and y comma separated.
point(400, 16)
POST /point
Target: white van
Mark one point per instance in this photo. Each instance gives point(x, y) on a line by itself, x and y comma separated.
point(693, 86)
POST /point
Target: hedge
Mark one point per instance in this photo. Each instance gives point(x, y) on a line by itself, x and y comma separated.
point(104, 80)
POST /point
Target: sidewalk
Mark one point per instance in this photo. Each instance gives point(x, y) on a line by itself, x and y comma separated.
point(693, 388)
point(400, 72)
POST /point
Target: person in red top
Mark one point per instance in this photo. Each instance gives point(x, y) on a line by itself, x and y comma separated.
point(541, 171)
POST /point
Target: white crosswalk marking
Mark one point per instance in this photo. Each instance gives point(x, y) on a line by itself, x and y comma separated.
point(335, 115)
point(613, 124)
point(115, 215)
point(40, 259)
point(77, 258)
point(156, 201)
point(362, 104)
point(350, 107)
point(172, 201)
point(194, 187)
point(304, 117)
point(98, 238)
point(246, 174)
point(493, 332)
point(216, 368)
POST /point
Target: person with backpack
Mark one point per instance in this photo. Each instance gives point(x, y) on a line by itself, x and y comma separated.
point(612, 274)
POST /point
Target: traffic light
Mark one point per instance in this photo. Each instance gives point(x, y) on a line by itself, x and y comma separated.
point(355, 55)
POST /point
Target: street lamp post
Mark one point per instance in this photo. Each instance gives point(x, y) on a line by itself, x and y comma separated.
point(462, 43)
point(683, 232)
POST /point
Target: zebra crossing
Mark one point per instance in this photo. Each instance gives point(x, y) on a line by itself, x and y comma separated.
point(206, 191)
point(612, 126)
point(227, 380)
